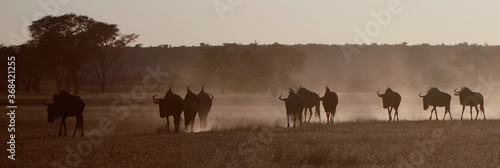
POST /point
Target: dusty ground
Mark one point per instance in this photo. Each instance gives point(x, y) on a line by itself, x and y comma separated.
point(252, 134)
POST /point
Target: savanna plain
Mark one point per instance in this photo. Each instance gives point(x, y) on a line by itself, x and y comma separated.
point(243, 133)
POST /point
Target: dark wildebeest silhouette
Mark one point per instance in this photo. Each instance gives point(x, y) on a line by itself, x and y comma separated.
point(205, 106)
point(330, 102)
point(436, 98)
point(390, 101)
point(191, 106)
point(293, 105)
point(311, 100)
point(66, 105)
point(469, 98)
point(170, 105)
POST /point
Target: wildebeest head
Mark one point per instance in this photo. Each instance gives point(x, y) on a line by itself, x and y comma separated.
point(291, 93)
point(51, 112)
point(58, 102)
point(390, 98)
point(425, 100)
point(384, 101)
point(433, 92)
point(466, 93)
point(155, 100)
point(162, 104)
point(327, 93)
point(294, 103)
point(171, 104)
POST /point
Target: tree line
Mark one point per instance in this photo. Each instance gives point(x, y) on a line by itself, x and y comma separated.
point(68, 49)
point(251, 68)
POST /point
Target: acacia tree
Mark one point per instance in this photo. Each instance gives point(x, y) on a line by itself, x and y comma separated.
point(32, 67)
point(69, 42)
point(110, 49)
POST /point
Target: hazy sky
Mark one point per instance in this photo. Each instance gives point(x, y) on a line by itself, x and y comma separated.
point(189, 22)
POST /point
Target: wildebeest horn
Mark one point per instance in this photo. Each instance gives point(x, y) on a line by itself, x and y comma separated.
point(45, 103)
point(156, 100)
point(456, 90)
point(420, 94)
point(379, 93)
point(211, 96)
point(281, 98)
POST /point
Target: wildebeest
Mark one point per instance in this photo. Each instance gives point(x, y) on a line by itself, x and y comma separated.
point(66, 105)
point(311, 100)
point(191, 106)
point(330, 101)
point(390, 101)
point(293, 105)
point(436, 98)
point(170, 105)
point(205, 106)
point(469, 98)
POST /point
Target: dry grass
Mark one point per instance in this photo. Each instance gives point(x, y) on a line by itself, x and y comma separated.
point(141, 141)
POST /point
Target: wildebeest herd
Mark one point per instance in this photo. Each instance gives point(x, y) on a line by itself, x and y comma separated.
point(192, 104)
point(305, 99)
point(66, 105)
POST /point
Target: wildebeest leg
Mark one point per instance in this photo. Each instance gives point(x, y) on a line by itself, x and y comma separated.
point(192, 123)
point(463, 108)
point(64, 125)
point(60, 126)
point(177, 120)
point(477, 111)
point(288, 120)
point(168, 123)
point(470, 112)
point(332, 116)
point(436, 113)
point(445, 111)
point(389, 111)
point(430, 118)
point(78, 123)
point(449, 112)
point(310, 114)
point(484, 115)
point(300, 120)
point(305, 115)
point(327, 118)
point(318, 112)
point(396, 113)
